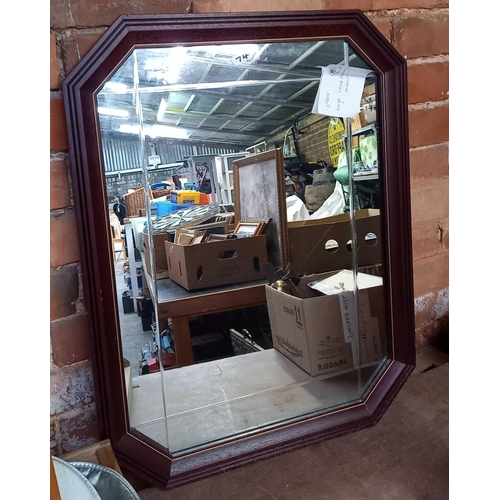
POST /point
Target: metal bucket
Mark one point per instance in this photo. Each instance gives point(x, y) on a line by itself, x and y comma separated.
point(324, 184)
point(109, 484)
point(72, 483)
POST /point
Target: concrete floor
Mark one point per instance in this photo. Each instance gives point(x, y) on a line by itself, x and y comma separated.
point(403, 457)
point(133, 338)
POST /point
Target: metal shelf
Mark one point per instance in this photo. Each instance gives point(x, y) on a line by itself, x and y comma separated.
point(369, 128)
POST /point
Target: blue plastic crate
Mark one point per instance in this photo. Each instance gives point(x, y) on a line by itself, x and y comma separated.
point(166, 207)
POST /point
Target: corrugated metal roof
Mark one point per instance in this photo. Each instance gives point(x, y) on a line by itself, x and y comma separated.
point(227, 112)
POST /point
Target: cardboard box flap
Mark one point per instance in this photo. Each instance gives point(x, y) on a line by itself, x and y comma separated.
point(359, 214)
point(326, 247)
point(344, 280)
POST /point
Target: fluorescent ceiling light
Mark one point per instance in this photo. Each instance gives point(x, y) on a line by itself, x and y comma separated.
point(156, 131)
point(116, 87)
point(166, 131)
point(127, 128)
point(166, 69)
point(113, 112)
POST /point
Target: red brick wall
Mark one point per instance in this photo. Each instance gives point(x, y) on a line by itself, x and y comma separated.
point(418, 29)
point(313, 141)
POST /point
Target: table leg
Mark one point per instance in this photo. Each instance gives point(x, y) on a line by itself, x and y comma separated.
point(133, 265)
point(182, 339)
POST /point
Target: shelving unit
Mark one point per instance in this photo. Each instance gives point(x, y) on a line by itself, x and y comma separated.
point(369, 129)
point(134, 265)
point(208, 162)
point(219, 172)
point(361, 176)
point(224, 170)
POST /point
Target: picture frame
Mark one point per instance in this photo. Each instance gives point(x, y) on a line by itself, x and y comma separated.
point(259, 194)
point(188, 236)
point(254, 228)
point(200, 238)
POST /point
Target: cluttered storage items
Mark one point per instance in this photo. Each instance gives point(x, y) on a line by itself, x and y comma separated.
point(200, 266)
point(221, 240)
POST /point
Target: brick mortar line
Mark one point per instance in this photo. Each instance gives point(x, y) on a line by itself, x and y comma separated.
point(59, 63)
point(54, 369)
point(441, 58)
point(58, 212)
point(62, 34)
point(428, 105)
point(428, 146)
point(394, 13)
point(64, 266)
point(444, 252)
point(74, 412)
point(436, 254)
point(76, 315)
point(57, 434)
point(58, 156)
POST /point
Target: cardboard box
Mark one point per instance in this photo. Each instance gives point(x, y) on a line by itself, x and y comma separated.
point(159, 254)
point(309, 252)
point(217, 263)
point(314, 331)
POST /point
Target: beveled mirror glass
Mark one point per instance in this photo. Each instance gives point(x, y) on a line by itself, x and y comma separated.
point(247, 286)
point(183, 115)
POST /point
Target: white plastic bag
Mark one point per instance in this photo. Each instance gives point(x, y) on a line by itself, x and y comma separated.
point(295, 209)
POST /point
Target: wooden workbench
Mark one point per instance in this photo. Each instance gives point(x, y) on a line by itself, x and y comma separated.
point(179, 304)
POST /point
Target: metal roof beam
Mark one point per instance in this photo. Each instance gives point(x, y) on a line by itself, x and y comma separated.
point(192, 128)
point(269, 68)
point(267, 101)
point(228, 116)
point(292, 65)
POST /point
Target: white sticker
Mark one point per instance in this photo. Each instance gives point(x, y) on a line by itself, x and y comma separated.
point(154, 160)
point(340, 90)
point(243, 58)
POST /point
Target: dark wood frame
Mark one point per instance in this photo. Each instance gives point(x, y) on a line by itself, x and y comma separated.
point(135, 451)
point(249, 161)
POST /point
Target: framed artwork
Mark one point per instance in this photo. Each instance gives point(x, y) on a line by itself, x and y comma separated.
point(252, 227)
point(259, 193)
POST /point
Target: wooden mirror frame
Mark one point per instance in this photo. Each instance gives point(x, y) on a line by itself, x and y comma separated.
point(135, 451)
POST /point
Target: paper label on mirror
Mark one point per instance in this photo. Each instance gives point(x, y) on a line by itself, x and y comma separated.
point(340, 90)
point(374, 341)
point(349, 317)
point(369, 335)
point(364, 318)
point(370, 349)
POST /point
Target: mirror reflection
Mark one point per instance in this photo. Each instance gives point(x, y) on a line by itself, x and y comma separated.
point(233, 207)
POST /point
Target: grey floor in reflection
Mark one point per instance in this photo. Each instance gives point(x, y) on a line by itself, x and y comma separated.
point(221, 399)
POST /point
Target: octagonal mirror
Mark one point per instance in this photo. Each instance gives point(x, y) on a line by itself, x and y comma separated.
point(244, 214)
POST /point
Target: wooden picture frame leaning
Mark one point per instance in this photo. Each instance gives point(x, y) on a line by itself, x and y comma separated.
point(258, 226)
point(259, 193)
